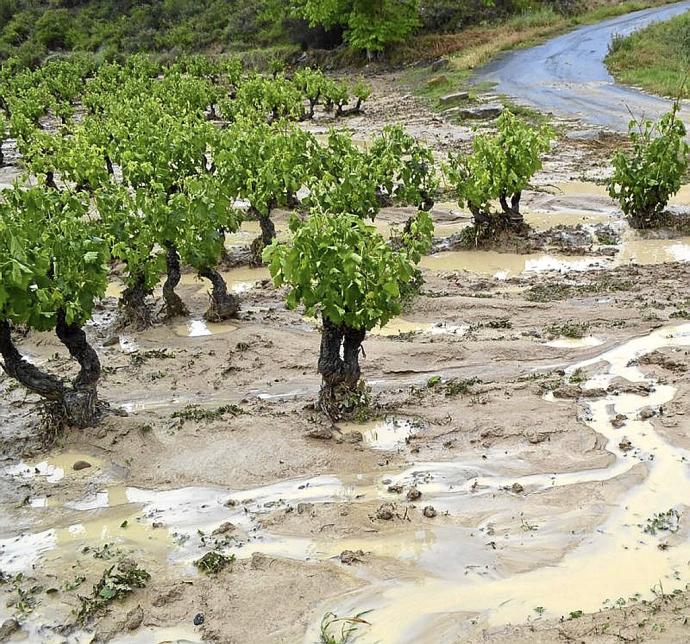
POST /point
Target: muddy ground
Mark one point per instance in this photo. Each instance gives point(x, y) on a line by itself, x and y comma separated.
point(520, 473)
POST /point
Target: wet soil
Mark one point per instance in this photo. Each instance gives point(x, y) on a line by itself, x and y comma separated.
point(511, 479)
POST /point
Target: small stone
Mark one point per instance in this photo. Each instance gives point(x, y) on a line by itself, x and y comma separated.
point(438, 65)
point(134, 618)
point(429, 512)
point(8, 628)
point(348, 557)
point(625, 445)
point(386, 512)
point(619, 421)
point(102, 433)
point(199, 619)
point(230, 503)
point(414, 494)
point(647, 413)
point(111, 341)
point(157, 524)
point(321, 433)
point(535, 437)
point(223, 528)
point(397, 488)
point(483, 112)
point(516, 488)
point(436, 81)
point(81, 465)
point(452, 99)
point(304, 507)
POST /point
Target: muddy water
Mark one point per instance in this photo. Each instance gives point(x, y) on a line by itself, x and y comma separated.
point(575, 343)
point(198, 328)
point(388, 434)
point(398, 326)
point(504, 265)
point(617, 560)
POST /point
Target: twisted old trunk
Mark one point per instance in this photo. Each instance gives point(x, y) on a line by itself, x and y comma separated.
point(224, 305)
point(338, 364)
point(174, 306)
point(133, 304)
point(76, 402)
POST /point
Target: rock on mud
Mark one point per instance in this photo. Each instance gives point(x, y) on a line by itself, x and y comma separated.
point(386, 512)
point(429, 512)
point(414, 494)
point(8, 628)
point(81, 465)
point(134, 618)
point(483, 112)
point(348, 557)
point(452, 99)
point(223, 528)
point(321, 433)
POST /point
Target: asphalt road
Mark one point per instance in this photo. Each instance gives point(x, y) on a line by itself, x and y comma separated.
point(567, 75)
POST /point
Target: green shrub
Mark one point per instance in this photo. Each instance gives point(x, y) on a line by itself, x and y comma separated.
point(644, 179)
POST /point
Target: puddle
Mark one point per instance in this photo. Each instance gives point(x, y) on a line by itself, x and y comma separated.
point(575, 343)
point(398, 326)
point(114, 289)
point(584, 188)
point(654, 251)
point(239, 280)
point(201, 328)
point(389, 434)
point(505, 265)
point(55, 468)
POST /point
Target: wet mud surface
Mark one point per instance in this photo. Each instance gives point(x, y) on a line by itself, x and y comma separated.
point(521, 473)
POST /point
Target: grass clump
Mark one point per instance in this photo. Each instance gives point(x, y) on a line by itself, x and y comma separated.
point(213, 562)
point(567, 330)
point(340, 630)
point(198, 414)
point(460, 386)
point(115, 582)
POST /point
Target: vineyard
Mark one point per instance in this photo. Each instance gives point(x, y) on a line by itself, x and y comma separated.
point(287, 357)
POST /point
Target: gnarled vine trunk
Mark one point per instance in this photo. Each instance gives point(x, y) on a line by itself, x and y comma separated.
point(224, 305)
point(81, 401)
point(513, 216)
point(133, 304)
point(339, 365)
point(76, 402)
point(174, 306)
point(268, 234)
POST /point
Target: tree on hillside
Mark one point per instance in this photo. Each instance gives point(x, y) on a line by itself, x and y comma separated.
point(370, 25)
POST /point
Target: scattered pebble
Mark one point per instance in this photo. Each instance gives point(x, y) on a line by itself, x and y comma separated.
point(8, 628)
point(348, 557)
point(414, 494)
point(223, 528)
point(199, 619)
point(386, 512)
point(81, 465)
point(429, 512)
